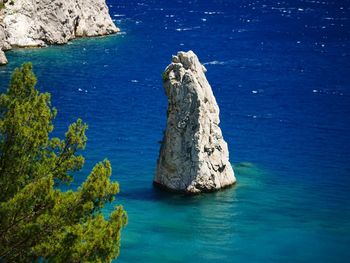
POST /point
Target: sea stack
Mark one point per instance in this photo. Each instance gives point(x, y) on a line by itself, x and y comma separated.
point(193, 157)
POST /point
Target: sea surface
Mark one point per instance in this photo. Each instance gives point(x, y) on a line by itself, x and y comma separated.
point(280, 71)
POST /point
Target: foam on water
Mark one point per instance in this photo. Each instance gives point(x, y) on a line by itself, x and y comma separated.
point(214, 62)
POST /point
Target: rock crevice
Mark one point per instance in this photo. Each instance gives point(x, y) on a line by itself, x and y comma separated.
point(193, 157)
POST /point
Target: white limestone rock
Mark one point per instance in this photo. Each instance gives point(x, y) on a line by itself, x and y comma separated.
point(193, 157)
point(3, 59)
point(39, 22)
point(3, 43)
point(32, 23)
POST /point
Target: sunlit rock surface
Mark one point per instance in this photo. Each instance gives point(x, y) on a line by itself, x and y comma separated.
point(31, 23)
point(193, 157)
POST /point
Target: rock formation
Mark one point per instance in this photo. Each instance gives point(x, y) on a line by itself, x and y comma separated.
point(193, 157)
point(3, 59)
point(33, 23)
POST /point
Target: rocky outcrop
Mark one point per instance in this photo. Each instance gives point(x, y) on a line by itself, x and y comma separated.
point(32, 23)
point(3, 43)
point(3, 59)
point(193, 157)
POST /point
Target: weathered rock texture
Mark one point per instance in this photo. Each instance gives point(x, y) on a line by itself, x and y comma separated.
point(3, 59)
point(193, 157)
point(30, 23)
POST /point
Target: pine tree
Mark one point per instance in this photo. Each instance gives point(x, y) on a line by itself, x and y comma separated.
point(38, 221)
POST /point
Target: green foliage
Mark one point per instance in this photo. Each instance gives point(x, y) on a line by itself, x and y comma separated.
point(165, 76)
point(3, 2)
point(38, 221)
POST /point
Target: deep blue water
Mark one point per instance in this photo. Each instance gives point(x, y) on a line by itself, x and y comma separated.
point(280, 71)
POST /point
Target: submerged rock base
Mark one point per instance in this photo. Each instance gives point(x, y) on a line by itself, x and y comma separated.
point(193, 157)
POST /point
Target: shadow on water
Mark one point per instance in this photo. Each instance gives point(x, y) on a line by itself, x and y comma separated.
point(247, 174)
point(190, 222)
point(149, 193)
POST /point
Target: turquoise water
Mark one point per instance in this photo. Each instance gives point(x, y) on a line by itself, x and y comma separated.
point(281, 75)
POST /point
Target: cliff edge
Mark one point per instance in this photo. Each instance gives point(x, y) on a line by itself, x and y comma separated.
point(193, 157)
point(35, 23)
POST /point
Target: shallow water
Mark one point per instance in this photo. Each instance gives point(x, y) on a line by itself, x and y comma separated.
point(280, 71)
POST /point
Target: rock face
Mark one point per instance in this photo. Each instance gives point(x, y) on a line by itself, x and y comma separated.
point(193, 157)
point(3, 59)
point(30, 23)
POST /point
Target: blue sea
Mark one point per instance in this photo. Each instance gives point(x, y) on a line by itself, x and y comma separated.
point(280, 71)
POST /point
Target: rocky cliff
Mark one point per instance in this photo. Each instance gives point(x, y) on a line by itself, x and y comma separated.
point(194, 156)
point(32, 23)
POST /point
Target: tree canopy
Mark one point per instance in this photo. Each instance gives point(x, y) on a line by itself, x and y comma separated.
point(39, 221)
